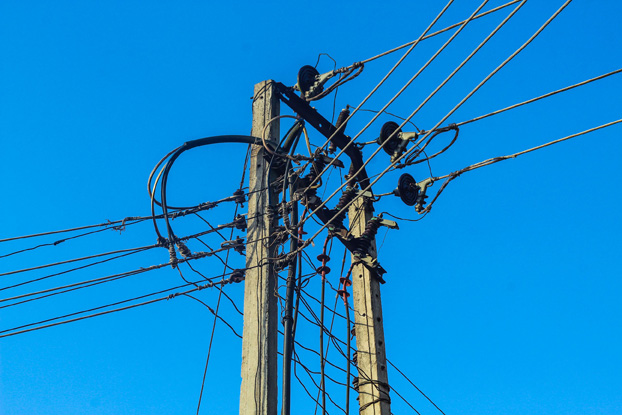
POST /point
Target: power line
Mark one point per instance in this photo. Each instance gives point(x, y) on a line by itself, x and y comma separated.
point(321, 205)
point(60, 241)
point(464, 62)
point(209, 350)
point(12, 331)
point(529, 101)
point(119, 251)
point(415, 386)
point(343, 150)
point(414, 43)
point(122, 223)
point(391, 166)
point(216, 316)
point(224, 247)
point(440, 31)
point(67, 271)
point(488, 162)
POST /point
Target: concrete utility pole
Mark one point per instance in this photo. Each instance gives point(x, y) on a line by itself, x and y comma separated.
point(371, 356)
point(258, 393)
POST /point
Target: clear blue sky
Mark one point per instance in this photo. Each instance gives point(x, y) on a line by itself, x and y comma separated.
point(503, 300)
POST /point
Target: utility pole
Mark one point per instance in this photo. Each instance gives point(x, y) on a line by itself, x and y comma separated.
point(373, 383)
point(258, 393)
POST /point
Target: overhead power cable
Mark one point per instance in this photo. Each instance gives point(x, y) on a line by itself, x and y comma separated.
point(439, 31)
point(21, 283)
point(117, 225)
point(488, 162)
point(216, 316)
point(399, 62)
point(394, 98)
point(415, 386)
point(131, 250)
point(139, 249)
point(529, 101)
point(188, 145)
point(108, 224)
point(220, 293)
point(16, 330)
point(392, 165)
point(94, 281)
point(60, 241)
point(412, 44)
point(464, 62)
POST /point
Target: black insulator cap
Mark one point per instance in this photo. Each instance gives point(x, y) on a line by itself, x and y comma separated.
point(323, 269)
point(388, 129)
point(307, 75)
point(407, 189)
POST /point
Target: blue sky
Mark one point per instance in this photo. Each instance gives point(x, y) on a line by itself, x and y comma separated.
point(504, 299)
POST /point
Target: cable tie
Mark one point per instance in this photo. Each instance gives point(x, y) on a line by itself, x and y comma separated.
point(183, 249)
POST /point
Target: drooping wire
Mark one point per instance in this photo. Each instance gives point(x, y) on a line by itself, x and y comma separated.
point(209, 350)
point(451, 176)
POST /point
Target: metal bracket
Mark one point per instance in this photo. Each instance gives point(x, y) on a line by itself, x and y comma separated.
point(321, 124)
point(388, 223)
point(374, 266)
point(423, 186)
point(336, 162)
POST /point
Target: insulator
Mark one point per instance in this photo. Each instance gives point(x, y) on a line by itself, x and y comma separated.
point(324, 269)
point(342, 293)
point(363, 242)
point(237, 244)
point(339, 212)
point(239, 197)
point(240, 222)
point(389, 129)
point(323, 257)
point(407, 189)
point(307, 78)
point(341, 119)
